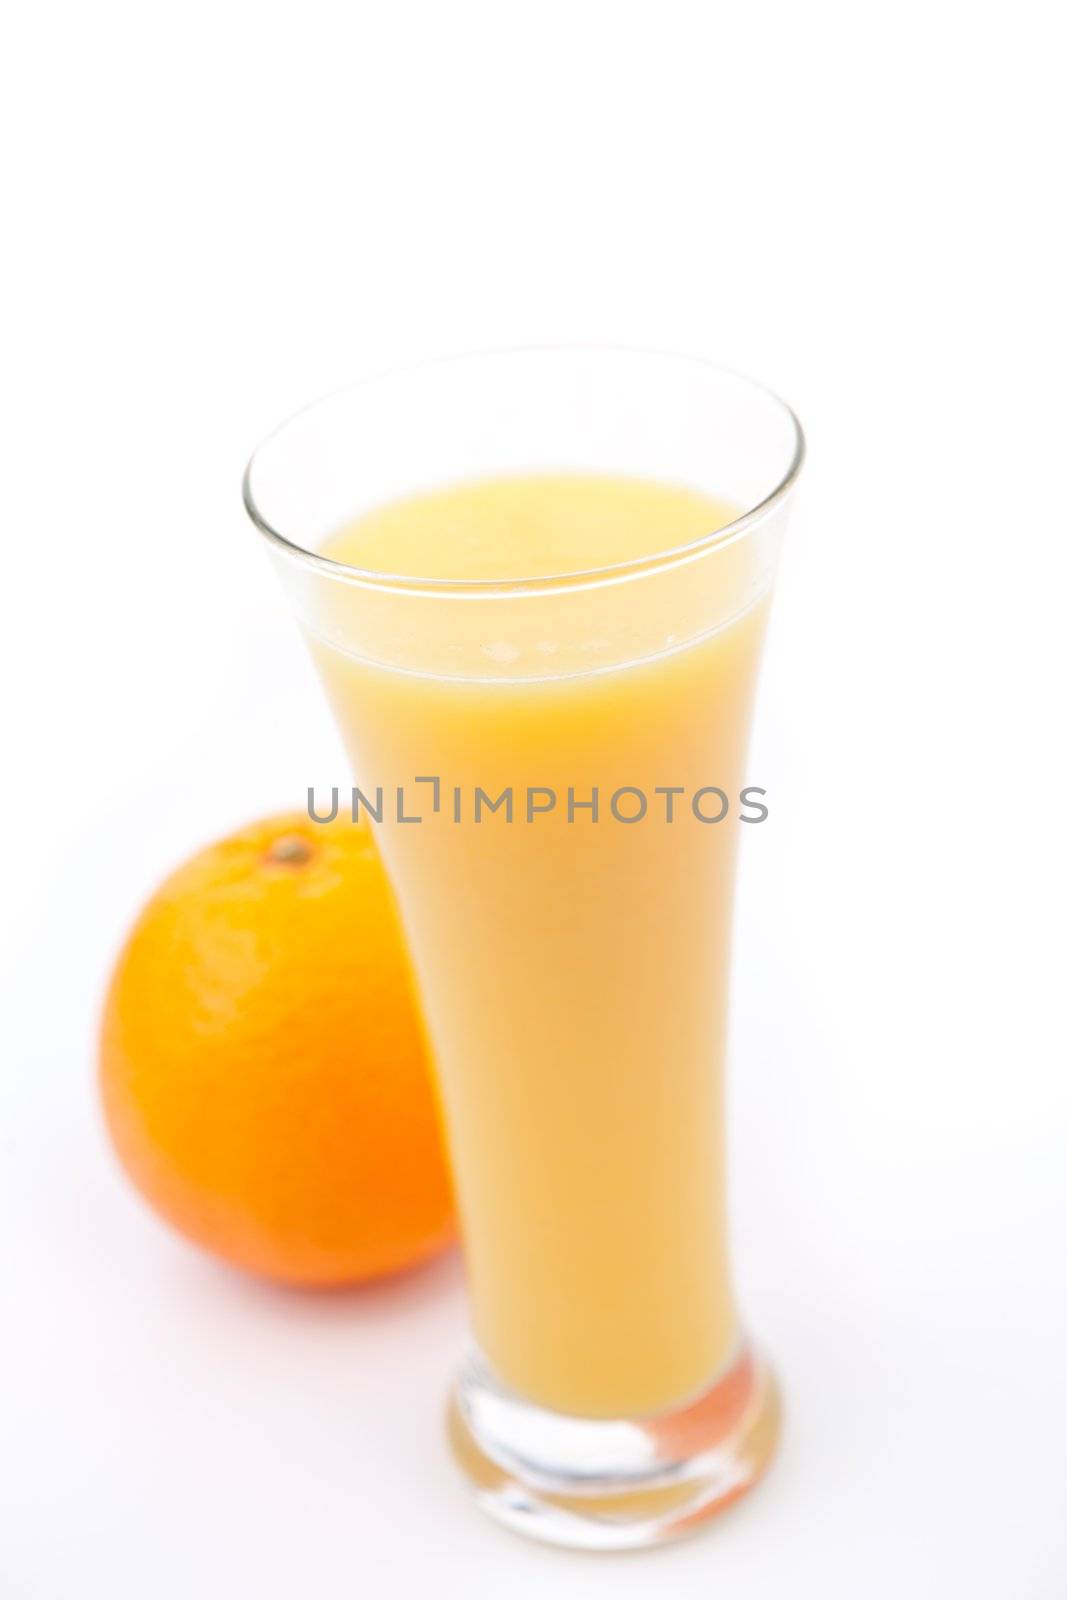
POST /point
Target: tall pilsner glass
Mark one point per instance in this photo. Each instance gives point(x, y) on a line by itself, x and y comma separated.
point(572, 744)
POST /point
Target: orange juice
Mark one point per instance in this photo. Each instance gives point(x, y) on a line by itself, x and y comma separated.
point(572, 961)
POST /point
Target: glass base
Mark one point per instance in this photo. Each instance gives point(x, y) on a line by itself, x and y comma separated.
point(613, 1485)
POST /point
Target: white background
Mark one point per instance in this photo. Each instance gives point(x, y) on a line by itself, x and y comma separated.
point(216, 212)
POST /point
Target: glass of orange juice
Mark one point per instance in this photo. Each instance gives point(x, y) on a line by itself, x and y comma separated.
point(535, 585)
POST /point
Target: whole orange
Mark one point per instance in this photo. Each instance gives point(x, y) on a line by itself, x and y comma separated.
point(263, 1071)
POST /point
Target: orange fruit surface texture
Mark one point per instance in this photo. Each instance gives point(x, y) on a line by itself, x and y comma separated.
point(263, 1071)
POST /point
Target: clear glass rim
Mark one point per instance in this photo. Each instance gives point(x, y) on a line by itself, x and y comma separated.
point(484, 588)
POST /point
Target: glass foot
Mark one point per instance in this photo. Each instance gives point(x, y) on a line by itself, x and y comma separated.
point(613, 1485)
